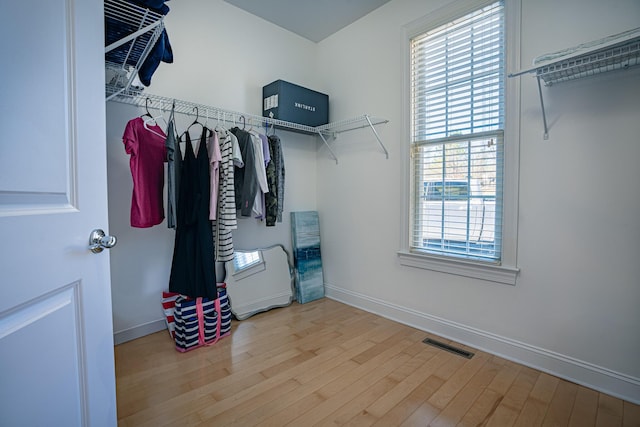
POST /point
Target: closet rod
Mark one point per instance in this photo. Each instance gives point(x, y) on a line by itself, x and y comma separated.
point(138, 98)
point(134, 97)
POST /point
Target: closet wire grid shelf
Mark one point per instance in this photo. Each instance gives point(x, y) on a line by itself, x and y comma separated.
point(617, 52)
point(615, 58)
point(138, 98)
point(131, 31)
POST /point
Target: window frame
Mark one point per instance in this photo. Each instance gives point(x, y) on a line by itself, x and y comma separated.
point(506, 270)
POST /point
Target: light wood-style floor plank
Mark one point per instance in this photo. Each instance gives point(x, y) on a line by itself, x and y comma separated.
point(514, 399)
point(585, 408)
point(631, 415)
point(561, 405)
point(610, 411)
point(328, 364)
point(537, 403)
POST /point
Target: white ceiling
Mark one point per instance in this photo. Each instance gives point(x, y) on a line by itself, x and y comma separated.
point(311, 19)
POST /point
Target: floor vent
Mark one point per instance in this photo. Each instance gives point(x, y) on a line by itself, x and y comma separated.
point(449, 348)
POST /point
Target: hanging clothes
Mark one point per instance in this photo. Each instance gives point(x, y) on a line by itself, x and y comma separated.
point(261, 156)
point(274, 199)
point(226, 219)
point(174, 168)
point(246, 181)
point(193, 266)
point(146, 146)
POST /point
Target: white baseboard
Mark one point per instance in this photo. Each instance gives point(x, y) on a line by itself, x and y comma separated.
point(139, 331)
point(580, 372)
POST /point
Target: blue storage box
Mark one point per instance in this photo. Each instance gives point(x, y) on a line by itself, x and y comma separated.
point(296, 104)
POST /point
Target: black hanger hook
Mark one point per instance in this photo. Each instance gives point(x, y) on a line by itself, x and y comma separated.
point(197, 116)
point(146, 106)
point(244, 122)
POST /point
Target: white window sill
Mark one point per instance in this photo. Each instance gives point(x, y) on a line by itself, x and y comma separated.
point(460, 267)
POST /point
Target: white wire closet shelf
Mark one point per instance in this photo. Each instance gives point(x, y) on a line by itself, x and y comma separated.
point(131, 31)
point(142, 99)
point(617, 52)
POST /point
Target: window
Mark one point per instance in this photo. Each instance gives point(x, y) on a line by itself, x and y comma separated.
point(457, 107)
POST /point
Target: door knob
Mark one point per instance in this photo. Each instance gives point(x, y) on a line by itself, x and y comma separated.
point(99, 241)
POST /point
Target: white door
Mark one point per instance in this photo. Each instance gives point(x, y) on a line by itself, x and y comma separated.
point(56, 338)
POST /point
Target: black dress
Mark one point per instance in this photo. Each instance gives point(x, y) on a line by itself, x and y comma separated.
point(193, 267)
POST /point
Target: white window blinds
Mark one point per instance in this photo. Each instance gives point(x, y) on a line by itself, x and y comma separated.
point(457, 122)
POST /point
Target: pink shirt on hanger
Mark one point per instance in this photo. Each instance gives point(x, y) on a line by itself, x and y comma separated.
point(146, 146)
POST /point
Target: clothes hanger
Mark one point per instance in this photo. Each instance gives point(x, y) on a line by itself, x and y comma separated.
point(251, 129)
point(195, 141)
point(147, 117)
point(273, 128)
point(158, 117)
point(146, 107)
point(195, 122)
point(153, 131)
point(206, 117)
point(219, 126)
point(257, 130)
point(206, 124)
point(269, 128)
point(148, 120)
point(172, 119)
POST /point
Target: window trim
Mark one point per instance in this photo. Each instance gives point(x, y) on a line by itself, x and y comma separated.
point(506, 270)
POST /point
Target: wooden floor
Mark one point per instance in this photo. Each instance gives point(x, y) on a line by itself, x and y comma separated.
point(326, 363)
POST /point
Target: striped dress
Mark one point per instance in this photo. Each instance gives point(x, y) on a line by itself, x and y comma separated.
point(226, 220)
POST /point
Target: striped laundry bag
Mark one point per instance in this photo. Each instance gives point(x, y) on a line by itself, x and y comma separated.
point(201, 321)
point(168, 307)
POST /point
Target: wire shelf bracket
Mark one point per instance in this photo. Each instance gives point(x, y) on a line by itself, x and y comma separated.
point(617, 52)
point(359, 122)
point(334, 128)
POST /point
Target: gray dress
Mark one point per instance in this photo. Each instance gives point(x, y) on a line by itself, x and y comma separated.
point(174, 166)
